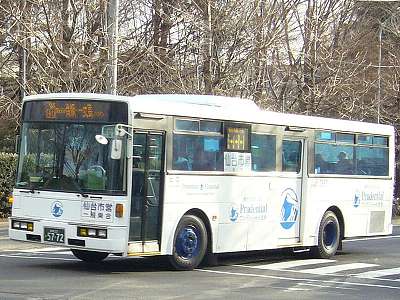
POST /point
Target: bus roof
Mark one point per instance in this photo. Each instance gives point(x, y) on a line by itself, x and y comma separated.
point(221, 108)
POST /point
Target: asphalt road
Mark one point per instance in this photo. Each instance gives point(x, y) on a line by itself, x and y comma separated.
point(365, 269)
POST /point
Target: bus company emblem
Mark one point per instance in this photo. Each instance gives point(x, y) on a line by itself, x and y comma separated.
point(357, 199)
point(290, 208)
point(234, 214)
point(248, 211)
point(57, 209)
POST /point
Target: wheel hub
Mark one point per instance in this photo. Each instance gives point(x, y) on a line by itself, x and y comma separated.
point(187, 244)
point(330, 235)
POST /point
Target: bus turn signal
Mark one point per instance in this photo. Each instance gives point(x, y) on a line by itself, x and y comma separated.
point(119, 210)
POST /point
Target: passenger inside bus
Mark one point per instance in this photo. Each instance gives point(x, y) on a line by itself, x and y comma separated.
point(321, 165)
point(343, 165)
point(182, 162)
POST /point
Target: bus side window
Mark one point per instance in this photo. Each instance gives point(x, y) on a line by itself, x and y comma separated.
point(197, 153)
point(333, 159)
point(372, 161)
point(182, 156)
point(263, 152)
point(291, 156)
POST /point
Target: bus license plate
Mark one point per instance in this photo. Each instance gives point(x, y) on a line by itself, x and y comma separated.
point(54, 235)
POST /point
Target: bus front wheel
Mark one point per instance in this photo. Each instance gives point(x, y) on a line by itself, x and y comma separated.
point(190, 243)
point(328, 236)
point(89, 256)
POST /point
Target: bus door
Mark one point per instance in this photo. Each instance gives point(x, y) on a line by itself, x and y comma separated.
point(291, 189)
point(147, 184)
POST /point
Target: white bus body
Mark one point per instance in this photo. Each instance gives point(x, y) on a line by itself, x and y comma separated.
point(258, 184)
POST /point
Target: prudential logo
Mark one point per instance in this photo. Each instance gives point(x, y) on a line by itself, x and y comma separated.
point(57, 209)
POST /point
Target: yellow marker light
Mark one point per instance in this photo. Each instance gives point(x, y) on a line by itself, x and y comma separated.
point(119, 210)
point(83, 232)
point(30, 226)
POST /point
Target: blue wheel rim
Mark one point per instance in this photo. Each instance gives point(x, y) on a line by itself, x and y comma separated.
point(330, 235)
point(188, 242)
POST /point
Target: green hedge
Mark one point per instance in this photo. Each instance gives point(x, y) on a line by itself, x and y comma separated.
point(8, 163)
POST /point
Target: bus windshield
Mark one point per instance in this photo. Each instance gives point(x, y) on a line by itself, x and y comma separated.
point(64, 156)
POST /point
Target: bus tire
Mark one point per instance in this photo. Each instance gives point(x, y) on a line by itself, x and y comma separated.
point(190, 243)
point(328, 236)
point(89, 256)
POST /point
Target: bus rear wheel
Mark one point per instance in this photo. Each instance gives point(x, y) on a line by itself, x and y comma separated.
point(190, 243)
point(89, 256)
point(328, 236)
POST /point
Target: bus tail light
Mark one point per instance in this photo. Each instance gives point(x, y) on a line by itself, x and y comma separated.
point(119, 210)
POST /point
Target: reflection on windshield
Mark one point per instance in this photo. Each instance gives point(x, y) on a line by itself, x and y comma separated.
point(66, 157)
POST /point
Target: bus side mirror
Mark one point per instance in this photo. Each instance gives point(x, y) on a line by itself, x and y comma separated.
point(116, 145)
point(116, 149)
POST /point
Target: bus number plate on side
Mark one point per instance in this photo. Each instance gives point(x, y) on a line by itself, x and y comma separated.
point(54, 235)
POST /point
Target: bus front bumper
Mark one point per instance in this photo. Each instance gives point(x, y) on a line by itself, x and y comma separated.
point(111, 239)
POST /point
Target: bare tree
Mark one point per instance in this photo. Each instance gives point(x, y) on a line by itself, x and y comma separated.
point(304, 56)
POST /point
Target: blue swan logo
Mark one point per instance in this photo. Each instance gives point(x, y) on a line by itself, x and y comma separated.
point(57, 209)
point(234, 214)
point(290, 208)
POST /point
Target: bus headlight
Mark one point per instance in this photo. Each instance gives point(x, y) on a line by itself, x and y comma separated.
point(102, 233)
point(22, 225)
point(92, 232)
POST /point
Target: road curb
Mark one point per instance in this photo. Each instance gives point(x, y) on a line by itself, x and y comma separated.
point(396, 221)
point(3, 223)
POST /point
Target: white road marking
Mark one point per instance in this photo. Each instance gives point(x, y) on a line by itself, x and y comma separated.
point(48, 249)
point(300, 279)
point(327, 274)
point(326, 286)
point(38, 257)
point(67, 252)
point(337, 268)
point(289, 264)
point(378, 273)
point(295, 289)
point(372, 238)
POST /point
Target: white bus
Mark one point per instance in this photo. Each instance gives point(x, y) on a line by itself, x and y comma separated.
point(191, 176)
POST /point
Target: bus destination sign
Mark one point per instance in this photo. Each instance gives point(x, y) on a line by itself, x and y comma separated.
point(75, 111)
point(93, 111)
point(237, 138)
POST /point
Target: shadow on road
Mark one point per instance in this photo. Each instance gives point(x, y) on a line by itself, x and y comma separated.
point(160, 263)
